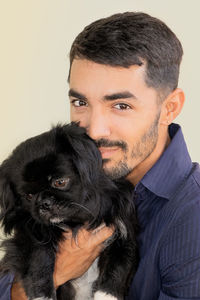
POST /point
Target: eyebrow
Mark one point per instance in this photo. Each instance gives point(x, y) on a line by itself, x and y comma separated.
point(120, 95)
point(111, 97)
point(75, 94)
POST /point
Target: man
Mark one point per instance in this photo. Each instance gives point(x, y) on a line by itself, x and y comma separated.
point(123, 89)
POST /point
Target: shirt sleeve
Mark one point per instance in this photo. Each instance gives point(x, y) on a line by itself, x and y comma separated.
point(5, 287)
point(180, 257)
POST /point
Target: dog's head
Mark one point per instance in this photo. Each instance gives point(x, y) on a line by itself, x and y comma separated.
point(51, 179)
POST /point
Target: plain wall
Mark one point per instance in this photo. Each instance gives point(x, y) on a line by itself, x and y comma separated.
point(36, 36)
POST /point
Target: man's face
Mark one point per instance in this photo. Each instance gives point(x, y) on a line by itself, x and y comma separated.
point(119, 111)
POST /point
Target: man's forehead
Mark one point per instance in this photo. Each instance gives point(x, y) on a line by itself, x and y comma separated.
point(83, 65)
point(92, 80)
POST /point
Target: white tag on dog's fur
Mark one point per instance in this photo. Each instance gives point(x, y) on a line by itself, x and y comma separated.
point(103, 296)
point(83, 284)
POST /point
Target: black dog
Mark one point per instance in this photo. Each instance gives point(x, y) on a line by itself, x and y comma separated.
point(52, 182)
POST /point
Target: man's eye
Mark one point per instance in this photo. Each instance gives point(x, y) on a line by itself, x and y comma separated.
point(122, 106)
point(78, 103)
point(60, 183)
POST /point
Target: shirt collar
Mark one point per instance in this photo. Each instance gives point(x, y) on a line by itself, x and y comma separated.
point(171, 168)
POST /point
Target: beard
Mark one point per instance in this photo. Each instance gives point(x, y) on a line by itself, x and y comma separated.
point(140, 151)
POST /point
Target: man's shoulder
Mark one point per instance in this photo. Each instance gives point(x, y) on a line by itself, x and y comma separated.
point(195, 175)
point(184, 204)
point(191, 186)
point(186, 201)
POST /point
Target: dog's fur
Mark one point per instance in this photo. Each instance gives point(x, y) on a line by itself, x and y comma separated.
point(52, 182)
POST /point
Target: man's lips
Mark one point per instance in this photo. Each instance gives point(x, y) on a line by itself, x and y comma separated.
point(107, 152)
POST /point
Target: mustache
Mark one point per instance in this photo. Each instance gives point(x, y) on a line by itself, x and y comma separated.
point(108, 143)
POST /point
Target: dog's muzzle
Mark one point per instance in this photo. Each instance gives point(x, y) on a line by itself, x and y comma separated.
point(48, 210)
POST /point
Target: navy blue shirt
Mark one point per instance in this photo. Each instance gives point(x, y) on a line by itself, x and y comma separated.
point(168, 208)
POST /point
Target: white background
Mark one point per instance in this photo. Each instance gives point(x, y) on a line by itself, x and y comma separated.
point(35, 39)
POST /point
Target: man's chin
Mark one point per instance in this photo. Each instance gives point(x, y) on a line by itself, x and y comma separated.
point(115, 171)
point(107, 168)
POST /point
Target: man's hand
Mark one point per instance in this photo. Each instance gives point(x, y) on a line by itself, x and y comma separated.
point(74, 257)
point(17, 292)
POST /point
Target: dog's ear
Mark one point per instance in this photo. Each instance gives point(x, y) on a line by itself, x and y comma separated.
point(7, 203)
point(84, 152)
point(87, 160)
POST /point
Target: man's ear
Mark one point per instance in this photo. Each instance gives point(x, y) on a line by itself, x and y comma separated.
point(172, 106)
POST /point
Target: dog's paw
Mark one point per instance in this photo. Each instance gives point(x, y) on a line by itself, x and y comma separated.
point(103, 296)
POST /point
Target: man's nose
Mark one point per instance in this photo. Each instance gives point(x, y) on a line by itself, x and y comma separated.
point(98, 125)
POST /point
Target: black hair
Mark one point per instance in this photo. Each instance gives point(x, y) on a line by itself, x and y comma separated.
point(133, 38)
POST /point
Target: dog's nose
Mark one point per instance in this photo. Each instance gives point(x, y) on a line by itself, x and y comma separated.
point(46, 204)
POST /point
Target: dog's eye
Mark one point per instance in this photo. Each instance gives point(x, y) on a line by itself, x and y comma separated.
point(60, 183)
point(29, 196)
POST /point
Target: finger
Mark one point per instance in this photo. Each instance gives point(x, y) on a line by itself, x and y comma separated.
point(72, 242)
point(99, 228)
point(95, 237)
point(98, 237)
point(82, 239)
point(86, 238)
point(67, 234)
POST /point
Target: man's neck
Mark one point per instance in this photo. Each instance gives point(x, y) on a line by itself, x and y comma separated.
point(139, 171)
